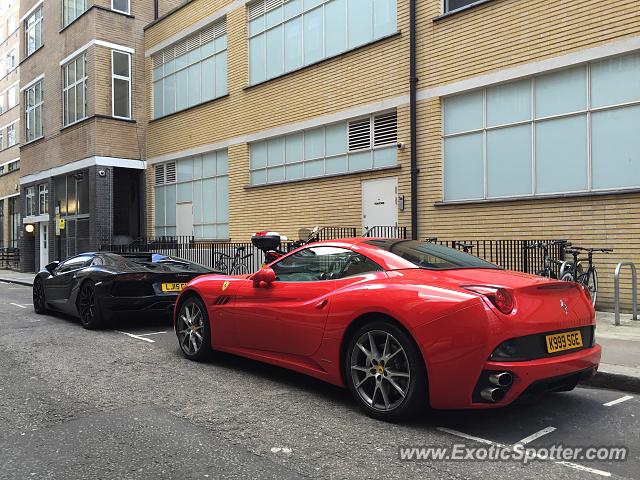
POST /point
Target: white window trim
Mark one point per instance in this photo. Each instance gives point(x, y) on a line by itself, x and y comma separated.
point(30, 194)
point(15, 140)
point(33, 110)
point(13, 50)
point(30, 11)
point(77, 82)
point(43, 192)
point(119, 77)
point(127, 11)
point(64, 25)
point(27, 28)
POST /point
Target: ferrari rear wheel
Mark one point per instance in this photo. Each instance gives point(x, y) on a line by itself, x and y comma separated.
point(385, 372)
point(39, 302)
point(193, 329)
point(90, 315)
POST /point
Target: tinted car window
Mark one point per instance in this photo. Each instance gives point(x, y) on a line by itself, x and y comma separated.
point(74, 263)
point(431, 255)
point(322, 263)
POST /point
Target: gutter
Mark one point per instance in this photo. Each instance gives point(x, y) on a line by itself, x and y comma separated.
point(413, 115)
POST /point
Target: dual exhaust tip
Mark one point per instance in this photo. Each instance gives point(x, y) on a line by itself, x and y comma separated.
point(502, 382)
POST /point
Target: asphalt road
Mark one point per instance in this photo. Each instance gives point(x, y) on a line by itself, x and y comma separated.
point(108, 404)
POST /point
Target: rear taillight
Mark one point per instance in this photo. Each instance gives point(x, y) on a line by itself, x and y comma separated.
point(500, 297)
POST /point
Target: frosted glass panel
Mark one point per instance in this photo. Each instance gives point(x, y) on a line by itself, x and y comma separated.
point(273, 17)
point(616, 80)
point(292, 8)
point(209, 164)
point(335, 27)
point(561, 155)
point(157, 99)
point(159, 205)
point(616, 148)
point(359, 17)
point(182, 98)
point(258, 155)
point(293, 44)
point(185, 170)
point(210, 231)
point(209, 200)
point(169, 95)
point(275, 174)
point(170, 202)
point(384, 17)
point(258, 177)
point(256, 25)
point(561, 92)
point(295, 171)
point(194, 85)
point(359, 161)
point(208, 49)
point(256, 59)
point(463, 167)
point(384, 157)
point(463, 112)
point(314, 168)
point(336, 164)
point(184, 192)
point(509, 103)
point(509, 161)
point(197, 167)
point(222, 198)
point(336, 139)
point(275, 151)
point(314, 143)
point(294, 148)
point(209, 79)
point(197, 202)
point(275, 51)
point(222, 162)
point(221, 74)
point(312, 35)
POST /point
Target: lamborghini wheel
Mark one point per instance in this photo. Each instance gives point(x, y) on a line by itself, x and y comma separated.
point(385, 372)
point(193, 329)
point(39, 302)
point(90, 315)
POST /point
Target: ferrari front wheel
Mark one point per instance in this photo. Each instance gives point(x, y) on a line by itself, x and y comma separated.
point(385, 372)
point(193, 329)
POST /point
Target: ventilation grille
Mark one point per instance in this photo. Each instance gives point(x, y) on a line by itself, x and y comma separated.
point(165, 173)
point(385, 129)
point(360, 134)
point(222, 300)
point(204, 36)
point(261, 7)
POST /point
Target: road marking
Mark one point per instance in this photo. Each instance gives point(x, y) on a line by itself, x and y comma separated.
point(536, 435)
point(137, 337)
point(620, 400)
point(510, 447)
point(17, 305)
point(154, 333)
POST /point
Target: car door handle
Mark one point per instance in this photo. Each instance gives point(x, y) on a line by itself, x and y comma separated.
point(322, 304)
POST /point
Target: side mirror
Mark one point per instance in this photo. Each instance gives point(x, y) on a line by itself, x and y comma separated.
point(52, 266)
point(263, 277)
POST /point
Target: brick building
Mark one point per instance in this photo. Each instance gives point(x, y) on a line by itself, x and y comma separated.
point(9, 125)
point(82, 146)
point(281, 114)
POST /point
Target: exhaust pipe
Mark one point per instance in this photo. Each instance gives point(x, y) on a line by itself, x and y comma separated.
point(502, 379)
point(492, 395)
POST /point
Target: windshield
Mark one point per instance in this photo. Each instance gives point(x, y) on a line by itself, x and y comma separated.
point(156, 263)
point(430, 255)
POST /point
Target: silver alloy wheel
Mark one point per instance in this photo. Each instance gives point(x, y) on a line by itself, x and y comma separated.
point(380, 370)
point(190, 328)
point(592, 285)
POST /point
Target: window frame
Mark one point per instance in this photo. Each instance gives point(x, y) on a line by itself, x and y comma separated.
point(12, 55)
point(115, 77)
point(29, 201)
point(37, 25)
point(75, 85)
point(127, 11)
point(43, 199)
point(36, 109)
point(446, 11)
point(11, 134)
point(533, 121)
point(67, 20)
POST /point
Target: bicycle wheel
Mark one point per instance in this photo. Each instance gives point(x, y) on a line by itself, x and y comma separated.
point(240, 269)
point(590, 280)
point(567, 277)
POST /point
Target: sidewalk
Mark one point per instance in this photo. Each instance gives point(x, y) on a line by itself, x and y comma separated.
point(9, 276)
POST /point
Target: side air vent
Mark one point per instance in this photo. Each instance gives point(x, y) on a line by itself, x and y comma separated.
point(222, 300)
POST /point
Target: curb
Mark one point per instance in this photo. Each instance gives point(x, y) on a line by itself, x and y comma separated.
point(17, 282)
point(614, 381)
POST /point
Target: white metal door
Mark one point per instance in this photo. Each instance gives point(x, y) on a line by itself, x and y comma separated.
point(379, 203)
point(44, 244)
point(184, 219)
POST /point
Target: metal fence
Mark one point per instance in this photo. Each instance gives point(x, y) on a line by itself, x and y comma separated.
point(9, 259)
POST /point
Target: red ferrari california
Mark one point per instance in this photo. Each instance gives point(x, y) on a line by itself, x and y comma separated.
point(402, 324)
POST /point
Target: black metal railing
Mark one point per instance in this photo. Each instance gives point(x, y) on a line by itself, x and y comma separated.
point(386, 232)
point(9, 259)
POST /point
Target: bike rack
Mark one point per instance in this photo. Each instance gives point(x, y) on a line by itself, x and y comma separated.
point(634, 289)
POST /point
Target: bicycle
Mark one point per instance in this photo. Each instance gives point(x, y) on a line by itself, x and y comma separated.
point(233, 265)
point(467, 247)
point(576, 273)
point(547, 270)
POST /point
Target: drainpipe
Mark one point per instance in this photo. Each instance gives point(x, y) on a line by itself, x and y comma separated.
point(155, 9)
point(413, 108)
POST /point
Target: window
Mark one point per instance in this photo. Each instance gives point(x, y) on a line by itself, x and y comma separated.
point(30, 194)
point(14, 221)
point(562, 132)
point(364, 144)
point(11, 24)
point(13, 166)
point(2, 140)
point(43, 199)
point(451, 5)
point(33, 31)
point(11, 135)
point(287, 35)
point(74, 263)
point(191, 72)
point(121, 84)
point(72, 9)
point(11, 97)
point(74, 77)
point(1, 222)
point(11, 60)
point(120, 6)
point(201, 180)
point(315, 264)
point(33, 111)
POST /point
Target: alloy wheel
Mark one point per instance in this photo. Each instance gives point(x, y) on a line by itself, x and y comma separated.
point(87, 304)
point(190, 328)
point(380, 370)
point(38, 296)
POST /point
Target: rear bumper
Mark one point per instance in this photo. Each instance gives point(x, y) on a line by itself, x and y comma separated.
point(153, 304)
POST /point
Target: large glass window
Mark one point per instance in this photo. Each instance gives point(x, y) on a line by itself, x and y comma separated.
point(43, 199)
point(74, 89)
point(33, 111)
point(30, 201)
point(121, 6)
point(12, 60)
point(362, 144)
point(2, 223)
point(72, 9)
point(72, 199)
point(11, 135)
point(14, 221)
point(285, 35)
point(33, 31)
point(191, 72)
point(201, 181)
point(451, 5)
point(121, 84)
point(569, 131)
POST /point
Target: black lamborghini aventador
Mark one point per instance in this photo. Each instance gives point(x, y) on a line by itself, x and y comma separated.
point(98, 287)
